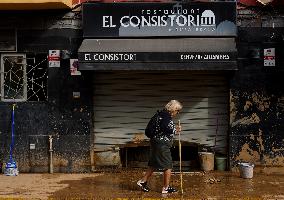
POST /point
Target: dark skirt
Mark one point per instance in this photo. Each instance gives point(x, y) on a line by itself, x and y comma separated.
point(160, 154)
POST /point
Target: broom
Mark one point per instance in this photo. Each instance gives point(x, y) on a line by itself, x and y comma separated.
point(180, 172)
point(11, 166)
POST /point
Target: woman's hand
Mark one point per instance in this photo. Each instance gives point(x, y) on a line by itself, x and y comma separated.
point(178, 129)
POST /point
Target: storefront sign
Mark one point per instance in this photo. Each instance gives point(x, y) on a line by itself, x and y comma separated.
point(155, 57)
point(159, 19)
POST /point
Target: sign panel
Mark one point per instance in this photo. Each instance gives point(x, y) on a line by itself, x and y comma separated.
point(54, 58)
point(159, 19)
point(269, 57)
point(74, 67)
point(138, 57)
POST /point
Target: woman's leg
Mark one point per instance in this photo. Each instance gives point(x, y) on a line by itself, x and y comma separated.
point(148, 174)
point(167, 177)
point(143, 182)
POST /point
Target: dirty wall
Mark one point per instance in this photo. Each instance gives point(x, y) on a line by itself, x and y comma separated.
point(257, 93)
point(256, 96)
point(70, 119)
point(57, 113)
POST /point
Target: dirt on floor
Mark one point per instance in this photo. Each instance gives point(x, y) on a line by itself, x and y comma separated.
point(121, 184)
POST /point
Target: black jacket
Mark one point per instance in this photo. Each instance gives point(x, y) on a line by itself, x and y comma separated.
point(167, 127)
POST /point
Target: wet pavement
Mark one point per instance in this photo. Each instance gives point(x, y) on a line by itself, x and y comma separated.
point(121, 184)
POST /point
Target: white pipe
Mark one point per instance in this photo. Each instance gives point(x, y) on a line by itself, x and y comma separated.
point(50, 154)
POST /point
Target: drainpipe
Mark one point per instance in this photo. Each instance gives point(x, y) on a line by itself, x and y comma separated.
point(50, 154)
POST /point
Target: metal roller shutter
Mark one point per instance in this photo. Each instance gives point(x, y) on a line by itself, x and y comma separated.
point(125, 100)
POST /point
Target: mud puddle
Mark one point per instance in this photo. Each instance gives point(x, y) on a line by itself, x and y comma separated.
point(213, 185)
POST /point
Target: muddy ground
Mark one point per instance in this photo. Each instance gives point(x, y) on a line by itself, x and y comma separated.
point(121, 184)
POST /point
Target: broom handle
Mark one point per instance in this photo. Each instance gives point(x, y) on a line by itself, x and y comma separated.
point(179, 145)
point(12, 137)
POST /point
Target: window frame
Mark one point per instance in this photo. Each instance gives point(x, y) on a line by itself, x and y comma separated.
point(3, 99)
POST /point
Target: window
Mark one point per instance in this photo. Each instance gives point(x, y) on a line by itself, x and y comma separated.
point(13, 77)
point(8, 41)
point(37, 77)
point(23, 77)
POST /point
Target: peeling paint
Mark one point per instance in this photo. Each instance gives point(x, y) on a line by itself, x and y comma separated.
point(257, 116)
point(253, 119)
point(233, 108)
point(260, 141)
point(276, 161)
point(248, 105)
point(248, 155)
point(275, 150)
point(262, 102)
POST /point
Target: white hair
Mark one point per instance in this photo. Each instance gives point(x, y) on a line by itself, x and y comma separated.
point(173, 105)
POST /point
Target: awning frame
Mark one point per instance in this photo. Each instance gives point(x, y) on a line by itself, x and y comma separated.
point(158, 54)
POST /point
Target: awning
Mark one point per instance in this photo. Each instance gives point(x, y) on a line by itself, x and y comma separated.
point(158, 54)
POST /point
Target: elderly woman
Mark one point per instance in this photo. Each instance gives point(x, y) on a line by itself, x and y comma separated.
point(160, 144)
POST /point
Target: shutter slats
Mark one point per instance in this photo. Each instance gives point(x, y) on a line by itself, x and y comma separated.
point(125, 101)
